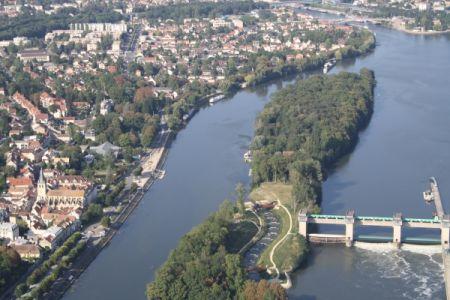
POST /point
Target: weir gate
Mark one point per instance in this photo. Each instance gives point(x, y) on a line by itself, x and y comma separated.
point(350, 221)
point(397, 223)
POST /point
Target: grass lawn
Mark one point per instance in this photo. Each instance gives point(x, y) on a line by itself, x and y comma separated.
point(270, 191)
point(291, 252)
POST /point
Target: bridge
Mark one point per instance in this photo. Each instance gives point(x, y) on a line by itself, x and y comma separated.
point(397, 222)
point(350, 221)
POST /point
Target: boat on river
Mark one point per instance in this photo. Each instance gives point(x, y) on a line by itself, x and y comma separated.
point(329, 65)
point(215, 99)
point(428, 196)
point(248, 156)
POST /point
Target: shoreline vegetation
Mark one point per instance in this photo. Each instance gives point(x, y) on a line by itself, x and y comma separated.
point(361, 43)
point(416, 32)
point(201, 266)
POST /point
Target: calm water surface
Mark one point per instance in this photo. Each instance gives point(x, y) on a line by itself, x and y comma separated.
point(407, 141)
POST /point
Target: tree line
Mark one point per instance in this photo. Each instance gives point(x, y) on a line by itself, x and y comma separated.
point(179, 12)
point(37, 24)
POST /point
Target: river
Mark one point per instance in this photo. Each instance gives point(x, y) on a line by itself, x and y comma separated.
point(406, 142)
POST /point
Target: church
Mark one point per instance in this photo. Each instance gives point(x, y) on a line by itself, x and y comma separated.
point(62, 195)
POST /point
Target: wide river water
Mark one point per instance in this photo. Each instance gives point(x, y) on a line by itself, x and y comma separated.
point(407, 141)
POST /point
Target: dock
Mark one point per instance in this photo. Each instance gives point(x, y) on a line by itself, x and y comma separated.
point(440, 212)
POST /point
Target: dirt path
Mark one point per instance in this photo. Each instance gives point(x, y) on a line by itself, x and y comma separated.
point(284, 237)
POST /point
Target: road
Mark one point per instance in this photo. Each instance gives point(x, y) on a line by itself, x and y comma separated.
point(96, 243)
point(129, 51)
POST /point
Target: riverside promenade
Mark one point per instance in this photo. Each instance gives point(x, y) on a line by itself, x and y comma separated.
point(154, 161)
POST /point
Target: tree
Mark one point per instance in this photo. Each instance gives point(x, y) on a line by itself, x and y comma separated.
point(20, 290)
point(53, 108)
point(23, 226)
point(240, 193)
point(143, 93)
point(200, 267)
point(148, 133)
point(93, 213)
point(106, 42)
point(106, 221)
point(137, 171)
point(256, 290)
point(10, 263)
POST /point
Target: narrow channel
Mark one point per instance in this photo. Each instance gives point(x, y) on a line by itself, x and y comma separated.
point(203, 166)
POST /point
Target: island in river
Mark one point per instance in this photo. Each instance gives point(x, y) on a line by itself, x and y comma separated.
point(306, 127)
point(411, 105)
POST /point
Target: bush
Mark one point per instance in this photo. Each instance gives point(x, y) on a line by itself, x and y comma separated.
point(138, 171)
point(20, 290)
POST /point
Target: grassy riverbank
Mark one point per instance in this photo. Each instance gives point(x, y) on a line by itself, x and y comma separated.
point(275, 191)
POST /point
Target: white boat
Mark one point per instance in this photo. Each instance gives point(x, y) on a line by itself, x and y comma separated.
point(248, 156)
point(216, 98)
point(328, 65)
point(428, 196)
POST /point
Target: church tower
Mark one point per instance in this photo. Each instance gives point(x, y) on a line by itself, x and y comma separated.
point(41, 187)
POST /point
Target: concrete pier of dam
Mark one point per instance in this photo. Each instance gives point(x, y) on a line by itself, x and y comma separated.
point(397, 222)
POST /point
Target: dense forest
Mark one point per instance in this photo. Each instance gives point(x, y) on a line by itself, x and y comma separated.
point(179, 12)
point(201, 267)
point(36, 25)
point(307, 127)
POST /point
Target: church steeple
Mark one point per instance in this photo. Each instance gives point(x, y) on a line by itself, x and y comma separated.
point(41, 186)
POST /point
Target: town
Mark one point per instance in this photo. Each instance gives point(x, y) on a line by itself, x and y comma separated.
point(86, 111)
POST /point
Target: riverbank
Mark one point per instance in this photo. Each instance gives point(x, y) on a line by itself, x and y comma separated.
point(388, 23)
point(417, 32)
point(95, 246)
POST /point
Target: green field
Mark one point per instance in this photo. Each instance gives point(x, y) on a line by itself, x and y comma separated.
point(272, 191)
